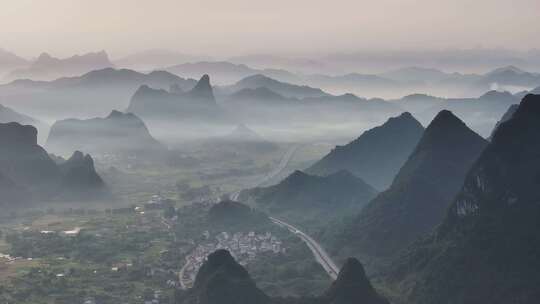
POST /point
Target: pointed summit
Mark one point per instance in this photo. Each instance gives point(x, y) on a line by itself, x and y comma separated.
point(79, 172)
point(352, 287)
point(421, 192)
point(203, 89)
point(303, 198)
point(221, 280)
point(489, 240)
point(377, 155)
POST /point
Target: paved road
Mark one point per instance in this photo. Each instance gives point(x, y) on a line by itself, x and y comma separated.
point(318, 252)
point(285, 159)
point(181, 275)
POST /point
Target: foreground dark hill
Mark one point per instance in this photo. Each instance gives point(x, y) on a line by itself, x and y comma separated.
point(303, 198)
point(27, 166)
point(486, 249)
point(507, 115)
point(221, 280)
point(352, 287)
point(119, 133)
point(377, 155)
point(421, 192)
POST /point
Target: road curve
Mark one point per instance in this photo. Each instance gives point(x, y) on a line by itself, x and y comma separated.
point(284, 161)
point(318, 252)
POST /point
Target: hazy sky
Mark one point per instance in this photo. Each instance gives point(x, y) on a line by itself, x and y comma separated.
point(228, 27)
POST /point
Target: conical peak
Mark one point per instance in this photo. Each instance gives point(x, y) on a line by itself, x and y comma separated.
point(352, 271)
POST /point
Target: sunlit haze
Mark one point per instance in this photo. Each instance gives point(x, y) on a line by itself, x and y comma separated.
point(237, 27)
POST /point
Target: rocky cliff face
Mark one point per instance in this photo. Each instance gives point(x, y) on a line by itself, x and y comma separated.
point(487, 247)
point(26, 166)
point(421, 192)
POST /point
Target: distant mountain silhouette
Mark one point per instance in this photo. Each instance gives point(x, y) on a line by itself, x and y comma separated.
point(221, 280)
point(225, 73)
point(198, 104)
point(418, 102)
point(282, 88)
point(377, 155)
point(27, 165)
point(9, 60)
point(421, 192)
point(260, 94)
point(486, 248)
point(351, 287)
point(117, 133)
point(302, 197)
point(481, 113)
point(46, 67)
point(243, 134)
point(510, 76)
point(110, 77)
point(416, 75)
point(155, 59)
point(89, 95)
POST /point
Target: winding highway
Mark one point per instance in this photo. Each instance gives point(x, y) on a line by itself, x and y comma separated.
point(284, 161)
point(316, 249)
point(318, 252)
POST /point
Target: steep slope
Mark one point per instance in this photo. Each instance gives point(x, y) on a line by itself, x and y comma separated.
point(221, 280)
point(302, 198)
point(22, 159)
point(486, 249)
point(377, 155)
point(26, 166)
point(117, 133)
point(79, 172)
point(507, 115)
point(352, 287)
point(421, 192)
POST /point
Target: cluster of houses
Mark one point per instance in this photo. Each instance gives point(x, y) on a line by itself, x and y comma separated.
point(244, 247)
